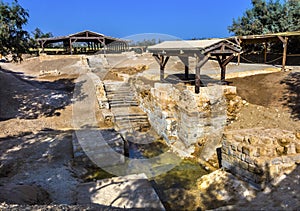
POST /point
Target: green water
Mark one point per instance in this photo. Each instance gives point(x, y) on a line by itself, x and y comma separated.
point(183, 175)
point(177, 188)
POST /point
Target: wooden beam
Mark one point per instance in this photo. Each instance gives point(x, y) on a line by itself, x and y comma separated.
point(200, 62)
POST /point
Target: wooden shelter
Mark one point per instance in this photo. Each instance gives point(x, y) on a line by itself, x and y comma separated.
point(94, 41)
point(203, 50)
point(266, 38)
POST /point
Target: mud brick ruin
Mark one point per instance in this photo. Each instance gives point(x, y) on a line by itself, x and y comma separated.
point(260, 155)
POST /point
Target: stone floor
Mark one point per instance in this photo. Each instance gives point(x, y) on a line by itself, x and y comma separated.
point(128, 192)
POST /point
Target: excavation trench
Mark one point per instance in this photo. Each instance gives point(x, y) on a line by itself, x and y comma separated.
point(165, 118)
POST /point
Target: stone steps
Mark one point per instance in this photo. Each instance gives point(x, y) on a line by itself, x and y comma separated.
point(120, 95)
point(124, 106)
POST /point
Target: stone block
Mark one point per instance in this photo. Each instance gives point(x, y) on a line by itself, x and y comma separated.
point(281, 151)
point(297, 146)
point(296, 158)
point(240, 147)
point(234, 147)
point(246, 150)
point(283, 141)
point(252, 168)
point(243, 165)
point(276, 161)
point(274, 171)
point(127, 192)
point(238, 138)
point(248, 159)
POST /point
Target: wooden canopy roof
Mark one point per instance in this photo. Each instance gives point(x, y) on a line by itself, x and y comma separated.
point(203, 50)
point(192, 47)
point(264, 37)
point(84, 36)
point(80, 37)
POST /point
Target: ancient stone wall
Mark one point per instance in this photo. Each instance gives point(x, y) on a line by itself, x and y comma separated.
point(260, 155)
point(184, 118)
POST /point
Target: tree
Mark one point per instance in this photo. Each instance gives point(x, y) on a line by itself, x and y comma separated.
point(292, 14)
point(36, 34)
point(268, 17)
point(13, 39)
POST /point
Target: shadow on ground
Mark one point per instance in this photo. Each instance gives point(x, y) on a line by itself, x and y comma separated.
point(291, 97)
point(27, 98)
point(180, 78)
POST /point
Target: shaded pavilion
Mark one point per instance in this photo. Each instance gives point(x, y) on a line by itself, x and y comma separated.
point(267, 38)
point(95, 42)
point(203, 50)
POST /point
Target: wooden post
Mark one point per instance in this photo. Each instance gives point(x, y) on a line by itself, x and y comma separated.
point(239, 41)
point(200, 61)
point(197, 80)
point(186, 72)
point(265, 52)
point(70, 42)
point(223, 69)
point(223, 63)
point(185, 61)
point(162, 61)
point(285, 45)
point(43, 47)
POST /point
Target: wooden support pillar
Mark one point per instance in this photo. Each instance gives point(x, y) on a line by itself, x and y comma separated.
point(238, 41)
point(200, 62)
point(185, 61)
point(43, 46)
point(265, 52)
point(223, 63)
point(70, 45)
point(223, 69)
point(285, 45)
point(162, 61)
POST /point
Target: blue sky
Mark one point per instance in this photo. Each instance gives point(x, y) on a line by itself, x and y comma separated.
point(184, 19)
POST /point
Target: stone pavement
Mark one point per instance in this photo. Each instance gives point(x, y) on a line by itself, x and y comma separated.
point(128, 192)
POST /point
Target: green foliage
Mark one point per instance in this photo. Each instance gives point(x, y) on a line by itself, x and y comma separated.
point(13, 39)
point(268, 17)
point(36, 34)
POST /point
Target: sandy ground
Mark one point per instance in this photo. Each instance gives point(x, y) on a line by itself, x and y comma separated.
point(36, 135)
point(36, 116)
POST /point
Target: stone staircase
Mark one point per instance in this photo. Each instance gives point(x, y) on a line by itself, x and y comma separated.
point(128, 117)
point(120, 94)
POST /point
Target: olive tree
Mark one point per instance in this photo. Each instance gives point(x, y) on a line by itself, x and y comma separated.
point(13, 38)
